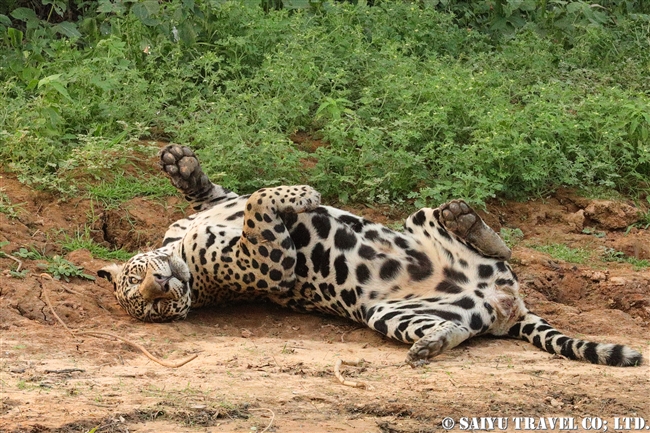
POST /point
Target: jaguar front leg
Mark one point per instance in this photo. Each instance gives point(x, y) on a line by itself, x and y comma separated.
point(430, 334)
point(442, 336)
point(182, 167)
point(266, 245)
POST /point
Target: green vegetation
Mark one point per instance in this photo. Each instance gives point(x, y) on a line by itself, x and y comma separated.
point(6, 207)
point(564, 253)
point(594, 232)
point(59, 268)
point(612, 255)
point(426, 101)
point(56, 265)
point(511, 236)
point(83, 240)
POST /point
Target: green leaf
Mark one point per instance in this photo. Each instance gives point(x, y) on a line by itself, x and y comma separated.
point(15, 37)
point(296, 4)
point(24, 14)
point(54, 82)
point(48, 80)
point(146, 11)
point(56, 85)
point(528, 5)
point(107, 6)
point(186, 32)
point(576, 7)
point(52, 116)
point(4, 19)
point(68, 29)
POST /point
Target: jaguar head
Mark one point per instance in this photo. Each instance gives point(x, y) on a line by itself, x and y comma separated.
point(152, 286)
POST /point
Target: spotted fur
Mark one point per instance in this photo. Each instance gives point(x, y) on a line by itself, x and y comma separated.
point(442, 280)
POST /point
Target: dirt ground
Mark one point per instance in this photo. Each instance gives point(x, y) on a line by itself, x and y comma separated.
point(262, 368)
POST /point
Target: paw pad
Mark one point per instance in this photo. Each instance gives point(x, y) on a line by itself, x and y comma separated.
point(183, 168)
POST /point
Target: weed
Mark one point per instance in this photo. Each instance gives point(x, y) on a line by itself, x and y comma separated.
point(564, 253)
point(83, 240)
point(19, 274)
point(59, 268)
point(511, 236)
point(613, 255)
point(123, 187)
point(644, 221)
point(7, 208)
point(30, 254)
point(594, 232)
point(428, 100)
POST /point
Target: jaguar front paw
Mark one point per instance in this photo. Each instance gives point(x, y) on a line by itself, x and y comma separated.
point(182, 167)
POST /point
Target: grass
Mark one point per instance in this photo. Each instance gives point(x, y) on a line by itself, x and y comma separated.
point(565, 253)
point(6, 207)
point(83, 240)
point(582, 256)
point(612, 255)
point(123, 187)
point(511, 236)
point(410, 102)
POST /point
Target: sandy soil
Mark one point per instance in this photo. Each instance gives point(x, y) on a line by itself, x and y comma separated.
point(262, 368)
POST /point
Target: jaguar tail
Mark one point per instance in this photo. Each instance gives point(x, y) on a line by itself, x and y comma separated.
point(537, 331)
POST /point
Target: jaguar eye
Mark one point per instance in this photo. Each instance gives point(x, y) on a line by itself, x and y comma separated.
point(134, 280)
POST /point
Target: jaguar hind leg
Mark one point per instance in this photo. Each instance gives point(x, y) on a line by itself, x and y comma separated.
point(459, 218)
point(182, 167)
point(266, 243)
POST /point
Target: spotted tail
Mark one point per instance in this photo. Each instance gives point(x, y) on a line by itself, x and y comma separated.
point(537, 331)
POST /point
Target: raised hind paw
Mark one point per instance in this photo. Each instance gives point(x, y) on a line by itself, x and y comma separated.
point(182, 167)
point(459, 218)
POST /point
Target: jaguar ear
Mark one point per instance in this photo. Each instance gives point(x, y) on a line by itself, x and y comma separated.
point(110, 272)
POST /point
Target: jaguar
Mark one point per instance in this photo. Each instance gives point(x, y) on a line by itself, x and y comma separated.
point(442, 280)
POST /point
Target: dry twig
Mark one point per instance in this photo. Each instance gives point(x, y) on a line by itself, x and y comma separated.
point(272, 418)
point(101, 334)
point(339, 376)
point(9, 256)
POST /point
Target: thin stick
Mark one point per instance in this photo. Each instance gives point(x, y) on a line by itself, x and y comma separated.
point(9, 256)
point(100, 334)
point(339, 376)
point(49, 304)
point(272, 418)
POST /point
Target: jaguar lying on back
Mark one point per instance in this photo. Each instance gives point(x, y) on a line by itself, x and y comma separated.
point(440, 282)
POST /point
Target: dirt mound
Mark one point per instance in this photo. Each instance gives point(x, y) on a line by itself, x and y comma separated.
point(259, 365)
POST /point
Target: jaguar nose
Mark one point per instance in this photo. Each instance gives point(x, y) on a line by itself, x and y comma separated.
point(161, 280)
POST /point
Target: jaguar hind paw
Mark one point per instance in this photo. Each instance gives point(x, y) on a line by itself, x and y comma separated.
point(459, 218)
